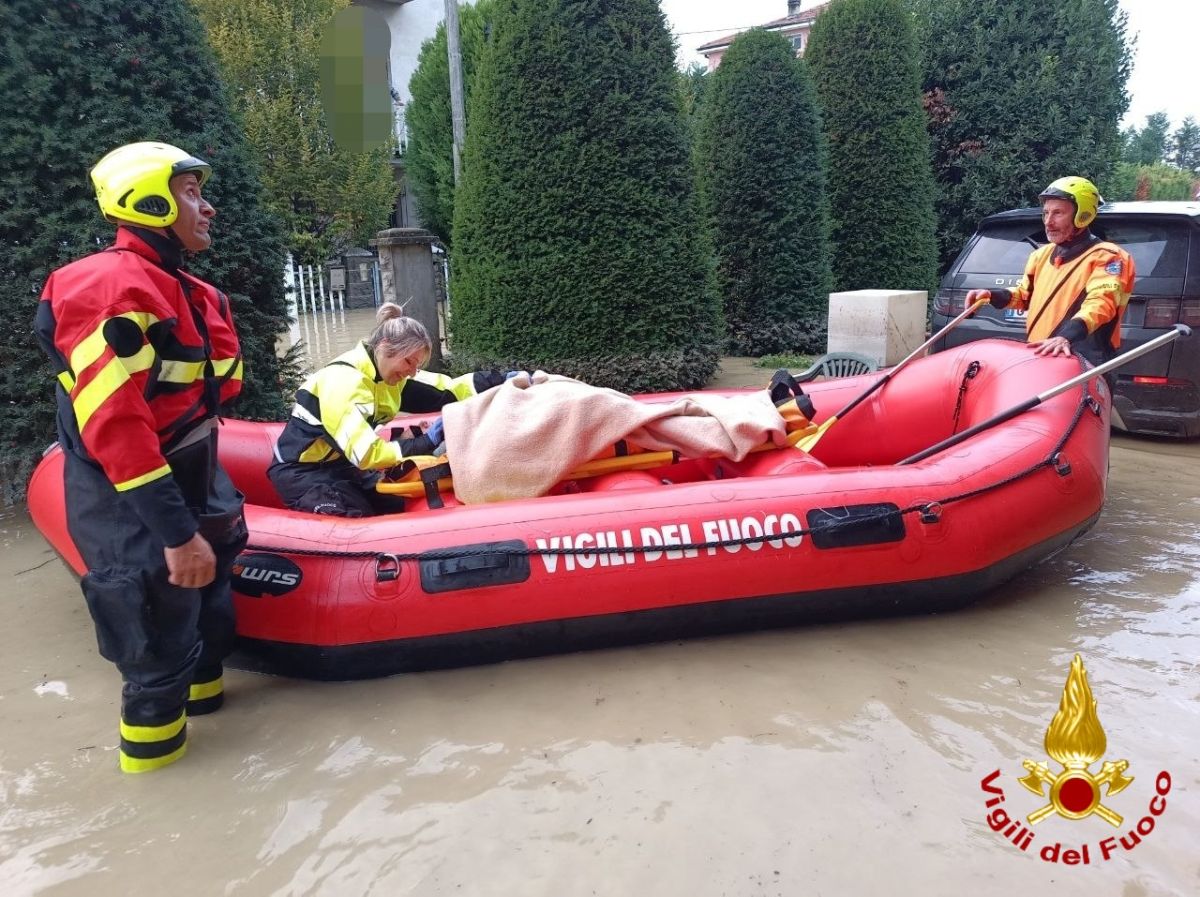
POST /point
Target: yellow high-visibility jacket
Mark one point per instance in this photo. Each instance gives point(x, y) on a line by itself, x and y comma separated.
point(338, 408)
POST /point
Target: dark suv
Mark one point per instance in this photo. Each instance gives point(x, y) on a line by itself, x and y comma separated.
point(1158, 393)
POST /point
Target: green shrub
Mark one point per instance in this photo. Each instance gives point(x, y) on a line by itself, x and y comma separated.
point(578, 246)
point(1019, 93)
point(761, 171)
point(789, 361)
point(1135, 182)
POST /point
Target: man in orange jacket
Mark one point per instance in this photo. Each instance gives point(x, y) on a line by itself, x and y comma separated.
point(1075, 288)
point(145, 354)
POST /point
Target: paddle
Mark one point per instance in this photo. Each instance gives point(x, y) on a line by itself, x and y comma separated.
point(1179, 330)
point(812, 439)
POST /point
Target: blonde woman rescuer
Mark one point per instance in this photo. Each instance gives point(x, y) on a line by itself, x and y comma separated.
point(329, 456)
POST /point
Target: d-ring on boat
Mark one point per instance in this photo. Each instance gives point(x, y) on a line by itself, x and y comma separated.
point(696, 546)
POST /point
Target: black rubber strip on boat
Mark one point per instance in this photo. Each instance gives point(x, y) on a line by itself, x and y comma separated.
point(847, 526)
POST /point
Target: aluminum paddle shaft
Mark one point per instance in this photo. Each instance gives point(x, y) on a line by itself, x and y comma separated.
point(1111, 365)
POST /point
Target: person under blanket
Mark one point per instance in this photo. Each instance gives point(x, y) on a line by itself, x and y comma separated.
point(329, 456)
point(521, 439)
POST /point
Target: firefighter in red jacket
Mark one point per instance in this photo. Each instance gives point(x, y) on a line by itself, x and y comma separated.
point(145, 354)
point(1075, 288)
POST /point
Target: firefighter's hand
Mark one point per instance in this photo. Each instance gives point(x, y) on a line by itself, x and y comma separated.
point(192, 565)
point(974, 296)
point(1056, 345)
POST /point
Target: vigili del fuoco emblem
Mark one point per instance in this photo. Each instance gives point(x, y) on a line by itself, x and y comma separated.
point(1076, 740)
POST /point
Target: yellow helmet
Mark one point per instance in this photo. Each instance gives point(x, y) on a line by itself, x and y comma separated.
point(133, 182)
point(1081, 192)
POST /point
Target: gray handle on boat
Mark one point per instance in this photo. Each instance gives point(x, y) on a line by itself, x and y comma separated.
point(1177, 331)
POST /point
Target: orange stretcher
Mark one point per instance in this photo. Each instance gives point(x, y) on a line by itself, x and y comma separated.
point(411, 484)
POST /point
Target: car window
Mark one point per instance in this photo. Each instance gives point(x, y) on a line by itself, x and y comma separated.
point(1159, 248)
point(1003, 249)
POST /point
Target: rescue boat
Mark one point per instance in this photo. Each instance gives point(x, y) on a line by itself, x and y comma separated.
point(693, 547)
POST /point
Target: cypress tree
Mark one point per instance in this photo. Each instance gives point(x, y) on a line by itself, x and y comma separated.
point(76, 80)
point(577, 237)
point(429, 157)
point(863, 58)
point(694, 82)
point(1019, 93)
point(762, 181)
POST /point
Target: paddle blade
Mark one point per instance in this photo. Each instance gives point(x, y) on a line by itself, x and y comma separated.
point(805, 443)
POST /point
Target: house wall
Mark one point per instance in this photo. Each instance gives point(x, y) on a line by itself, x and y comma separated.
point(713, 57)
point(411, 23)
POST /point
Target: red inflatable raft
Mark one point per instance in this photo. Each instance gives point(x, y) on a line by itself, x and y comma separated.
point(695, 547)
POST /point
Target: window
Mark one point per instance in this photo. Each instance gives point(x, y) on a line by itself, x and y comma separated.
point(1004, 249)
point(1159, 248)
point(798, 42)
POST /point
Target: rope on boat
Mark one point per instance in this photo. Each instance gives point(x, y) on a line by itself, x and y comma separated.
point(930, 512)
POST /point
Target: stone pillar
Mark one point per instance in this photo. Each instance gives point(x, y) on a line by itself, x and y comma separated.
point(406, 273)
point(886, 325)
point(357, 266)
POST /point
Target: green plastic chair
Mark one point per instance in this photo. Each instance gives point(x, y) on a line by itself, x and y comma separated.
point(837, 364)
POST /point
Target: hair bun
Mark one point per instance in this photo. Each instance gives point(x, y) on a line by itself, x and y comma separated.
point(387, 311)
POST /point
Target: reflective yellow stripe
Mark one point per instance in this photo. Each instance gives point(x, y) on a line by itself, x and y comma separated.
point(191, 371)
point(318, 451)
point(135, 764)
point(93, 345)
point(125, 486)
point(201, 690)
point(67, 381)
point(143, 360)
point(222, 365)
point(111, 378)
point(153, 733)
point(89, 349)
point(89, 399)
point(181, 371)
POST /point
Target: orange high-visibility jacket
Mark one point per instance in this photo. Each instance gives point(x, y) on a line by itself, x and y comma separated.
point(1080, 294)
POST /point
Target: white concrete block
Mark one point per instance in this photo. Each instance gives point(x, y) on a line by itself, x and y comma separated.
point(886, 325)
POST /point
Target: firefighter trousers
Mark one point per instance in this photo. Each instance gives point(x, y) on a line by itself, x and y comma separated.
point(168, 642)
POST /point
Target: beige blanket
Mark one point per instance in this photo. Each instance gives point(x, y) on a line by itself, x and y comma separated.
point(519, 439)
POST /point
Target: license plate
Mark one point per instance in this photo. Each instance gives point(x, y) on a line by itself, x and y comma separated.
point(1015, 314)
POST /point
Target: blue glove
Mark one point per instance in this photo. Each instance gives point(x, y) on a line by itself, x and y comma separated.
point(512, 374)
point(435, 432)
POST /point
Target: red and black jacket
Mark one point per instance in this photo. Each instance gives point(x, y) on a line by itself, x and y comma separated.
point(144, 353)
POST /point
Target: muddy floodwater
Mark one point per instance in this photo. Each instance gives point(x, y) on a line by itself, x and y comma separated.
point(827, 760)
